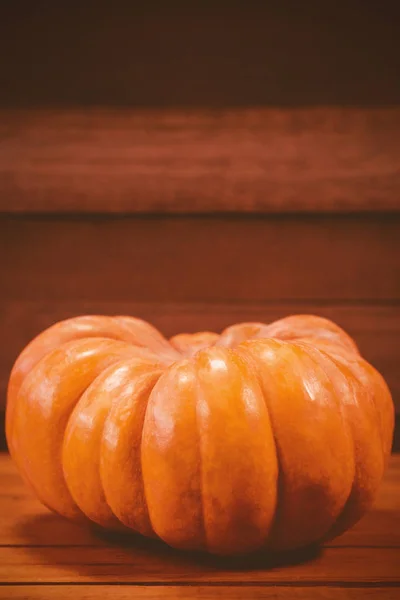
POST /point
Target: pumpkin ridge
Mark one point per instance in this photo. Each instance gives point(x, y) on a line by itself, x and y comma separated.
point(86, 422)
point(115, 439)
point(246, 461)
point(347, 506)
point(359, 369)
point(170, 458)
point(361, 495)
point(310, 350)
point(13, 394)
point(243, 350)
point(68, 330)
point(140, 462)
point(89, 357)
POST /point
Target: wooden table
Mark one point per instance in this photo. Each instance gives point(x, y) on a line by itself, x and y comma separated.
point(43, 556)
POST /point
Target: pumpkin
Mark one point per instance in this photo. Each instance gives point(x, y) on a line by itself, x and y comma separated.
point(266, 436)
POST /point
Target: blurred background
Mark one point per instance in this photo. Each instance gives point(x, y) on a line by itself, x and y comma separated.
point(199, 164)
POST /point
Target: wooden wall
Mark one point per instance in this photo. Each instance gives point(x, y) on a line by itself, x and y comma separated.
point(185, 274)
point(200, 165)
point(220, 53)
point(163, 215)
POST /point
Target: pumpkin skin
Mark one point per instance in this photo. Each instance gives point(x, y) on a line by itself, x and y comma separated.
point(266, 436)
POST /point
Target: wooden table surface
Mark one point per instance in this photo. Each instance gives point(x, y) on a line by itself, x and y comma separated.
point(44, 556)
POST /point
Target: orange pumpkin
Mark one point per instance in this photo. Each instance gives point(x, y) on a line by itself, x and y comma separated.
point(266, 436)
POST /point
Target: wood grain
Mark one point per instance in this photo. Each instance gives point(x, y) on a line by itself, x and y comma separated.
point(209, 592)
point(47, 550)
point(219, 53)
point(24, 521)
point(67, 565)
point(200, 161)
point(201, 260)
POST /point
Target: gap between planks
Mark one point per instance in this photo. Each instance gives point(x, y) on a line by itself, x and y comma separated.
point(203, 592)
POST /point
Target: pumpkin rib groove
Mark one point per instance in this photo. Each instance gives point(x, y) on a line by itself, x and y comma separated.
point(88, 419)
point(170, 457)
point(13, 392)
point(63, 332)
point(312, 485)
point(13, 396)
point(365, 367)
point(238, 453)
point(360, 374)
point(282, 488)
point(146, 503)
point(246, 349)
point(118, 439)
point(347, 506)
point(86, 358)
point(275, 458)
point(162, 348)
point(96, 378)
point(145, 494)
point(120, 432)
point(63, 442)
point(340, 407)
point(361, 496)
point(201, 467)
point(251, 360)
point(279, 480)
point(329, 405)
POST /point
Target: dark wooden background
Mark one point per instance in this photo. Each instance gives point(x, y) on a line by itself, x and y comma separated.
point(199, 165)
point(221, 53)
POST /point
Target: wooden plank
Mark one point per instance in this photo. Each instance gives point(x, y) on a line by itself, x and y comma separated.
point(205, 592)
point(25, 522)
point(33, 568)
point(201, 260)
point(200, 161)
point(376, 328)
point(152, 564)
point(207, 54)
